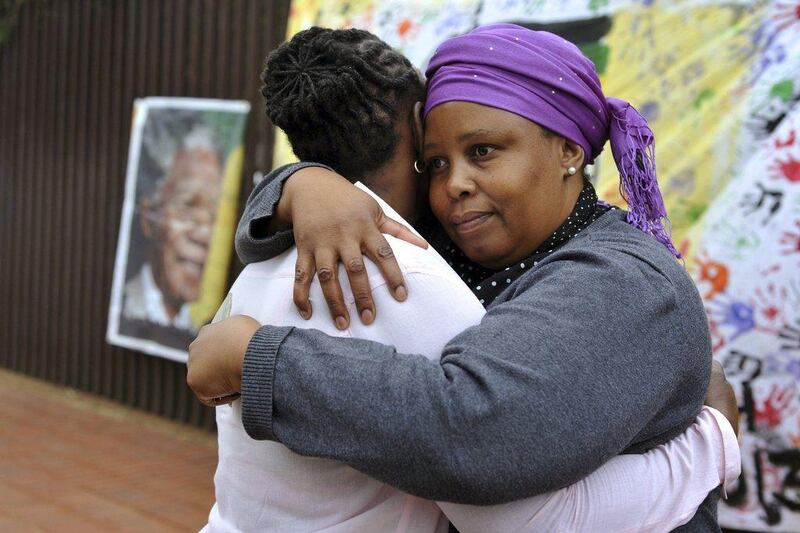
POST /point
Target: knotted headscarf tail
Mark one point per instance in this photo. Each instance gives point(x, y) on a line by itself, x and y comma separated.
point(546, 79)
point(634, 150)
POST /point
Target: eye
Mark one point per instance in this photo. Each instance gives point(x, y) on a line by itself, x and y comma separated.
point(436, 163)
point(482, 150)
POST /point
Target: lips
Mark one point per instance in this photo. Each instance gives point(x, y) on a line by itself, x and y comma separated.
point(470, 220)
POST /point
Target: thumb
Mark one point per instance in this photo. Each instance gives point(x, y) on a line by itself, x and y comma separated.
point(395, 229)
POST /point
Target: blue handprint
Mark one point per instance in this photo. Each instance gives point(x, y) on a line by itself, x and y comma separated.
point(736, 314)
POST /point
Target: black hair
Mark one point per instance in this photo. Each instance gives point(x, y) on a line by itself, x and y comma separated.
point(338, 95)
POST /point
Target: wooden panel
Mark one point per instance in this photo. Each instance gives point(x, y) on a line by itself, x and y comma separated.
point(70, 72)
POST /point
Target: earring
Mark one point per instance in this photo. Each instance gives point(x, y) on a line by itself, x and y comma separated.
point(572, 171)
point(419, 168)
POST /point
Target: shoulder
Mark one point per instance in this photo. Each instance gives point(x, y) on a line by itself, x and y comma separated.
point(415, 261)
point(412, 260)
point(280, 266)
point(615, 270)
point(613, 253)
point(612, 236)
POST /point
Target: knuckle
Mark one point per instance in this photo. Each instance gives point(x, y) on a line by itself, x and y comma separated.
point(325, 274)
point(355, 266)
point(337, 309)
point(362, 298)
point(300, 275)
point(384, 252)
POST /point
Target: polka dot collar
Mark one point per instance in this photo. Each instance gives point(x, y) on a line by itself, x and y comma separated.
point(488, 284)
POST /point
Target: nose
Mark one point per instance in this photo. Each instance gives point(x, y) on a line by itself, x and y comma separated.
point(459, 183)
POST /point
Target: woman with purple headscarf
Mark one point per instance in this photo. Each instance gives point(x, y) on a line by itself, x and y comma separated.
point(595, 341)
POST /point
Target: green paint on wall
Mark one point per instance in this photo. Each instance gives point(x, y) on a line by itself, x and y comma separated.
point(598, 53)
point(704, 96)
point(783, 90)
point(594, 5)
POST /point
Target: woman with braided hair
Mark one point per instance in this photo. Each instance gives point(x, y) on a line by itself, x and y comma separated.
point(549, 385)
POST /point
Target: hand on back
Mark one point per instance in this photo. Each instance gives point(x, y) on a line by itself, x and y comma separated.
point(336, 222)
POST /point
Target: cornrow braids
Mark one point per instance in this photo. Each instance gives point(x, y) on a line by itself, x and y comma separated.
point(338, 95)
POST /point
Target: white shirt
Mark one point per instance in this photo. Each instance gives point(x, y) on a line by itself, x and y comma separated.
point(263, 486)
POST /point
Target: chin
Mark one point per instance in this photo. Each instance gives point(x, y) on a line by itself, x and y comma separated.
point(486, 258)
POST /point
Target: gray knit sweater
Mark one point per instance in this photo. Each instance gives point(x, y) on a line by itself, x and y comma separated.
point(601, 349)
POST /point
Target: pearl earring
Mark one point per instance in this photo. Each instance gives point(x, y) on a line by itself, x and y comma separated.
point(572, 171)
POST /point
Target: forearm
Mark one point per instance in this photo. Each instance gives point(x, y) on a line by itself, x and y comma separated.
point(656, 491)
point(525, 403)
point(261, 235)
point(379, 430)
point(449, 431)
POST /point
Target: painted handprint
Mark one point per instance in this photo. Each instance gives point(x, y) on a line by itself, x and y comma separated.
point(711, 273)
point(787, 168)
point(776, 407)
point(790, 337)
point(791, 240)
point(737, 315)
point(788, 142)
point(770, 305)
point(770, 199)
point(736, 238)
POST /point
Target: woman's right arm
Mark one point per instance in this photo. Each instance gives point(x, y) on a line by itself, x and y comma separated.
point(338, 223)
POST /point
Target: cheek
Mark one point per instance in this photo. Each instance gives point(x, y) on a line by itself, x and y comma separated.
point(437, 198)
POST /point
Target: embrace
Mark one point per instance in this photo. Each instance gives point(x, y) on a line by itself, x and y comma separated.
point(529, 359)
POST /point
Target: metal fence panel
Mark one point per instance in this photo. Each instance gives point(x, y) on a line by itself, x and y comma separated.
point(70, 72)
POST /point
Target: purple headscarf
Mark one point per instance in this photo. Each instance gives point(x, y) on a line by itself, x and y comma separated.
point(546, 79)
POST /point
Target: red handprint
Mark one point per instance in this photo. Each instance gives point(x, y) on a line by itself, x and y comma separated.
point(788, 169)
point(788, 142)
point(792, 239)
point(770, 302)
point(775, 407)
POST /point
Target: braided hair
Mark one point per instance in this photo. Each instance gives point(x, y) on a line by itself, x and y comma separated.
point(338, 95)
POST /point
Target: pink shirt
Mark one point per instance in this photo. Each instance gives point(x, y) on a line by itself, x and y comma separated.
point(263, 486)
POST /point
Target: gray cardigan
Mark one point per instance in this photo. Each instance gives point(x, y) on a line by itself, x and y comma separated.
point(602, 348)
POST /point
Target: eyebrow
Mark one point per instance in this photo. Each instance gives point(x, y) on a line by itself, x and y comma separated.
point(467, 136)
point(475, 133)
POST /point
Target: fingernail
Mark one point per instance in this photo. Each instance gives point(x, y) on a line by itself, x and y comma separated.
point(366, 316)
point(341, 322)
point(401, 293)
point(305, 314)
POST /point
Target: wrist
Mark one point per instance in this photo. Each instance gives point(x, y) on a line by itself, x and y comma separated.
point(283, 211)
point(247, 328)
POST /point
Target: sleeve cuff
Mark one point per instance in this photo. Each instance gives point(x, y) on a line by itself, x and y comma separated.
point(258, 375)
point(266, 208)
point(732, 464)
point(252, 243)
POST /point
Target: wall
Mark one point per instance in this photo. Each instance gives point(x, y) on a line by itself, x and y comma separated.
point(70, 72)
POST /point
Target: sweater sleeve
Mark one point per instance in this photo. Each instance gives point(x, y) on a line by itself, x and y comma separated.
point(590, 358)
point(253, 243)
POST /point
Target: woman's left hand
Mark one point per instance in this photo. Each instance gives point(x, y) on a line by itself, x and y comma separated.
point(214, 368)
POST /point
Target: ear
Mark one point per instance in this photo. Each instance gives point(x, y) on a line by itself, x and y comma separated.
point(571, 155)
point(417, 129)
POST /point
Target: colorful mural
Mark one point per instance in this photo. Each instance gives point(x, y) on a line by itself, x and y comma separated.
point(719, 82)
